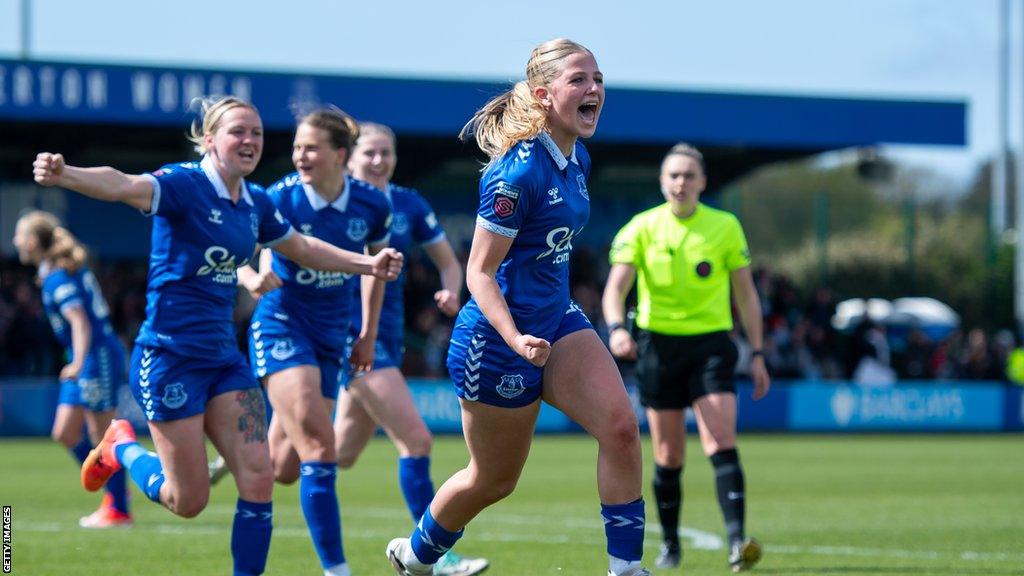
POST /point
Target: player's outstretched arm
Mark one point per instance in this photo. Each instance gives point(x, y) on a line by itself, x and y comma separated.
point(103, 183)
point(319, 255)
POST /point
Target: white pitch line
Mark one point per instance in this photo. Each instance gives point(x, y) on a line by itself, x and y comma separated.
point(698, 539)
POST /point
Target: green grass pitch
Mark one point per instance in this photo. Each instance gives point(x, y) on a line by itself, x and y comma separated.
point(850, 505)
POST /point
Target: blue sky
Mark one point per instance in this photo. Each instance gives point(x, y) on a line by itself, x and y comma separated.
point(880, 48)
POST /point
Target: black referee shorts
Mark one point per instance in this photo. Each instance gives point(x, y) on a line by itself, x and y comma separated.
point(676, 370)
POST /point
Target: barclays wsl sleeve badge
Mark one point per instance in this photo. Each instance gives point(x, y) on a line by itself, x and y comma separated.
point(506, 198)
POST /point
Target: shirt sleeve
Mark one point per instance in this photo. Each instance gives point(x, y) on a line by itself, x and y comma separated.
point(64, 290)
point(737, 252)
point(425, 227)
point(380, 234)
point(170, 191)
point(627, 246)
point(273, 227)
point(504, 201)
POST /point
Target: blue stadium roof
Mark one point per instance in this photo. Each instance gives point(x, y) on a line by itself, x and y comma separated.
point(141, 95)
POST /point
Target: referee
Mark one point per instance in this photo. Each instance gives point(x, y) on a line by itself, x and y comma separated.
point(687, 256)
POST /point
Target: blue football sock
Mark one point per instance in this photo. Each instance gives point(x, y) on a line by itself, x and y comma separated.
point(430, 540)
point(143, 466)
point(624, 529)
point(117, 487)
point(81, 450)
point(250, 537)
point(417, 487)
point(319, 499)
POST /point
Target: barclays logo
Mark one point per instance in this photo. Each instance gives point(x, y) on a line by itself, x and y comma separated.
point(844, 404)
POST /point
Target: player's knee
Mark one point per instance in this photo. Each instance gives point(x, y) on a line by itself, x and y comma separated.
point(188, 503)
point(286, 477)
point(65, 437)
point(347, 459)
point(257, 484)
point(419, 443)
point(622, 432)
point(285, 474)
point(668, 459)
point(493, 489)
point(713, 445)
point(503, 489)
point(191, 508)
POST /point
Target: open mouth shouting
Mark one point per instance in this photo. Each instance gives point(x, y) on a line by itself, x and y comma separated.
point(588, 112)
point(248, 155)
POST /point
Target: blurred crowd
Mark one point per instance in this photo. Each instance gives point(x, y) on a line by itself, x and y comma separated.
point(800, 342)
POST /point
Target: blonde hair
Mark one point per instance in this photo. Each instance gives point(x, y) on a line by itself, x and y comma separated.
point(60, 247)
point(684, 149)
point(211, 112)
point(368, 128)
point(342, 130)
point(517, 114)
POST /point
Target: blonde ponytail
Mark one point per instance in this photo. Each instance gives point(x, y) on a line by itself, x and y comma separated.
point(517, 114)
point(59, 246)
point(66, 251)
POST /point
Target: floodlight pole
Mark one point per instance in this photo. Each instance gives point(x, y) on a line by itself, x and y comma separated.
point(997, 205)
point(1018, 259)
point(26, 29)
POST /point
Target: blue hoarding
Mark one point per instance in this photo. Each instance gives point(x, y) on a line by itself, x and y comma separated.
point(144, 95)
point(948, 406)
point(27, 407)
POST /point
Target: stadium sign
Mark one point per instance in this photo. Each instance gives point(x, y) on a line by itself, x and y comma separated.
point(94, 93)
point(938, 406)
point(90, 93)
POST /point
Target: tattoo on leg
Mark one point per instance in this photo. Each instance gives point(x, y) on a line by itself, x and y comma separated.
point(253, 421)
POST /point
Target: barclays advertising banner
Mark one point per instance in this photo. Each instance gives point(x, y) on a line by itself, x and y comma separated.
point(27, 407)
point(945, 406)
point(439, 406)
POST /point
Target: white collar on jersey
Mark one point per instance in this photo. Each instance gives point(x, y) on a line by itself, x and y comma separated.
point(556, 154)
point(218, 182)
point(318, 203)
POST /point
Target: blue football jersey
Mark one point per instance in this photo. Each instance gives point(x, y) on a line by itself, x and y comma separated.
point(199, 239)
point(538, 197)
point(62, 291)
point(413, 224)
point(360, 216)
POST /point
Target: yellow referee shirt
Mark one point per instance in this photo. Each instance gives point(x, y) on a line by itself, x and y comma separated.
point(683, 267)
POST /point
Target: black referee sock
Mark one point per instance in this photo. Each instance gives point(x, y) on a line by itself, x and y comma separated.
point(668, 491)
point(731, 497)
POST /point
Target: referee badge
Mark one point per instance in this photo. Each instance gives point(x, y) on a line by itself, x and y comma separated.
point(704, 269)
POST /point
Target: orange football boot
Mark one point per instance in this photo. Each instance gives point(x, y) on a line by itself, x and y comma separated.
point(101, 463)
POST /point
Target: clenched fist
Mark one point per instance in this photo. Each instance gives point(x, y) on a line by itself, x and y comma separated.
point(48, 168)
